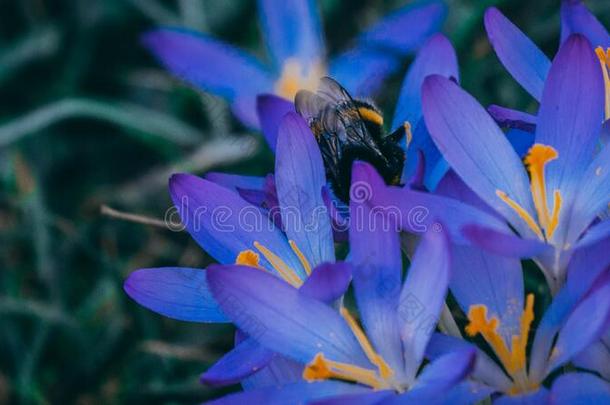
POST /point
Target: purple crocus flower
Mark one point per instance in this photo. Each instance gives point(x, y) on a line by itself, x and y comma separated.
point(553, 210)
point(377, 362)
point(294, 39)
point(233, 231)
point(493, 285)
point(530, 66)
point(490, 290)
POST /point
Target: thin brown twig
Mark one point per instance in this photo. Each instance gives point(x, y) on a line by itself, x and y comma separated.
point(137, 218)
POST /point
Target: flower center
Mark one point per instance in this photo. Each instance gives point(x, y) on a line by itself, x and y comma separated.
point(321, 368)
point(604, 59)
point(251, 258)
point(537, 158)
point(295, 77)
point(513, 359)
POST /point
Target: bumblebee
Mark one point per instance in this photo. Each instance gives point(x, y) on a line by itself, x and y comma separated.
point(347, 130)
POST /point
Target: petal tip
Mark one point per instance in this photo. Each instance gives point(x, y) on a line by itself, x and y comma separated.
point(432, 84)
point(491, 15)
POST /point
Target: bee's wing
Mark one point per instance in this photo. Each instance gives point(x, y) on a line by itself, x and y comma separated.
point(309, 105)
point(338, 119)
point(347, 120)
point(329, 89)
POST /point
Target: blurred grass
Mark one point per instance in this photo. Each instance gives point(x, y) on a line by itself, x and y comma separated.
point(88, 118)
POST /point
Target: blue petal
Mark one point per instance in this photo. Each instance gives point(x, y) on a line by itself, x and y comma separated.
point(279, 371)
point(209, 64)
point(299, 178)
point(292, 30)
point(585, 272)
point(506, 244)
point(376, 255)
point(367, 398)
point(271, 110)
point(408, 28)
point(236, 181)
point(453, 186)
point(476, 148)
point(537, 397)
point(244, 109)
point(594, 235)
point(223, 224)
point(593, 194)
point(435, 166)
point(485, 370)
point(569, 119)
point(280, 318)
point(362, 71)
point(446, 371)
point(246, 358)
point(422, 296)
point(595, 358)
point(438, 379)
point(506, 117)
point(328, 282)
point(577, 19)
point(295, 393)
point(496, 282)
point(584, 326)
point(338, 213)
point(418, 212)
point(519, 55)
point(437, 56)
point(589, 262)
point(467, 392)
point(605, 133)
point(580, 388)
point(176, 292)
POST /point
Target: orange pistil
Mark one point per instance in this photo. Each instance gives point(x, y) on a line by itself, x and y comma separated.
point(604, 60)
point(321, 368)
point(537, 158)
point(513, 359)
point(250, 258)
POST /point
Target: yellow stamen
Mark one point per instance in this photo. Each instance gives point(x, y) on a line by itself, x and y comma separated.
point(521, 212)
point(369, 114)
point(280, 266)
point(513, 360)
point(408, 134)
point(555, 217)
point(301, 257)
point(320, 368)
point(604, 59)
point(537, 158)
point(323, 369)
point(248, 258)
point(519, 343)
point(479, 324)
point(384, 369)
point(295, 77)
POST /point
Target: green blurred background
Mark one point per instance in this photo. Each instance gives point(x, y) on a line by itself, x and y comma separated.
point(88, 118)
